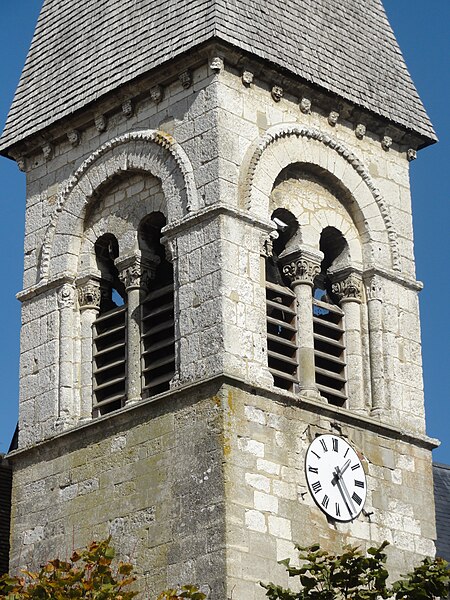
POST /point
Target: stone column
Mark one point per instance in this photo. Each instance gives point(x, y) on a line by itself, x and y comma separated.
point(89, 296)
point(301, 267)
point(374, 309)
point(348, 288)
point(135, 272)
point(66, 301)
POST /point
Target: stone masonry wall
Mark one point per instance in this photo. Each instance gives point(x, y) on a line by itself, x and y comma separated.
point(269, 506)
point(152, 478)
point(200, 484)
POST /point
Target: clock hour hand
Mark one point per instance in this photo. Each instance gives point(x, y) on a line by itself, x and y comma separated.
point(339, 472)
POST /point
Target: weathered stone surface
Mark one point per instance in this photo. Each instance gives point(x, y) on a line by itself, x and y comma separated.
point(206, 482)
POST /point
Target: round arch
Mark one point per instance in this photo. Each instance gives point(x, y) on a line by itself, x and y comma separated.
point(150, 152)
point(286, 144)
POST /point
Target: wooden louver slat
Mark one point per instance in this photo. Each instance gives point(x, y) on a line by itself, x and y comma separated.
point(282, 345)
point(109, 361)
point(329, 352)
point(157, 340)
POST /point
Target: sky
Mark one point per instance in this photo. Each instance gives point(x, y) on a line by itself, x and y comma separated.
point(421, 28)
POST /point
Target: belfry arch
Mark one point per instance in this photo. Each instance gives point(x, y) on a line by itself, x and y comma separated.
point(287, 144)
point(149, 152)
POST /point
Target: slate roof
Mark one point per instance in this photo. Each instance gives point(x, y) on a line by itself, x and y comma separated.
point(441, 476)
point(82, 49)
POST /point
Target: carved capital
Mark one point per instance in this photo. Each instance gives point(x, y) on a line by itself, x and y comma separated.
point(301, 267)
point(374, 288)
point(247, 78)
point(185, 79)
point(135, 272)
point(348, 289)
point(66, 296)
point(305, 105)
point(89, 294)
point(277, 93)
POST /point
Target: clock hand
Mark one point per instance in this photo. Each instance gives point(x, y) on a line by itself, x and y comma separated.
point(345, 467)
point(339, 472)
point(344, 491)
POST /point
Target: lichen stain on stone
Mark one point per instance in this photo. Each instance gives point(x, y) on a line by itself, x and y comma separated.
point(231, 402)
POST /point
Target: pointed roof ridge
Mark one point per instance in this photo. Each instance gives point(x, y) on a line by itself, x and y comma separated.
point(83, 49)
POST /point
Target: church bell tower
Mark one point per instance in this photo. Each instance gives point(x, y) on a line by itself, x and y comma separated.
point(220, 346)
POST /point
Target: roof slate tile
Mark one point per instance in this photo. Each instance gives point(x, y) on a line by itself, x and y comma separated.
point(83, 49)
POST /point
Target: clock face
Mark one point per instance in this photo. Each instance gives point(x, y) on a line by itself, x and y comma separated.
point(335, 477)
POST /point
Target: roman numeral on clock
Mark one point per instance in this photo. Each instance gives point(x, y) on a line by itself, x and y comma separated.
point(325, 501)
point(316, 487)
point(338, 510)
point(359, 483)
point(354, 467)
point(324, 446)
point(313, 470)
point(356, 498)
point(335, 444)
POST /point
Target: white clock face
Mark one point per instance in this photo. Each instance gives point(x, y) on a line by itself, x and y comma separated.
point(335, 477)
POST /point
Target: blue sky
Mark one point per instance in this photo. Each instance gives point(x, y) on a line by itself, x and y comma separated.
point(422, 31)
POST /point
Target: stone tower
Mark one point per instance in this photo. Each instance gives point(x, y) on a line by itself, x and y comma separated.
point(219, 270)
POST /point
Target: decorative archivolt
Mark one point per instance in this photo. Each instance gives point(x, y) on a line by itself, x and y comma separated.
point(258, 184)
point(131, 152)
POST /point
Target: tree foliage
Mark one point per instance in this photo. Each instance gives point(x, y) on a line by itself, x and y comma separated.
point(353, 575)
point(87, 574)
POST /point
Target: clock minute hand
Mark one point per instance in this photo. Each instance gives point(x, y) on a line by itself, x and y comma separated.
point(345, 467)
point(344, 491)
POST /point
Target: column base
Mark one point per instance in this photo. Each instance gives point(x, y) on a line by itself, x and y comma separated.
point(310, 394)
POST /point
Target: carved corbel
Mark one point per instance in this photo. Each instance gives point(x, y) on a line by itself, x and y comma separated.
point(170, 247)
point(386, 142)
point(305, 106)
point(411, 154)
point(277, 93)
point(101, 123)
point(47, 151)
point(360, 131)
point(216, 64)
point(333, 118)
point(185, 79)
point(127, 108)
point(74, 137)
point(267, 243)
point(247, 78)
point(157, 93)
